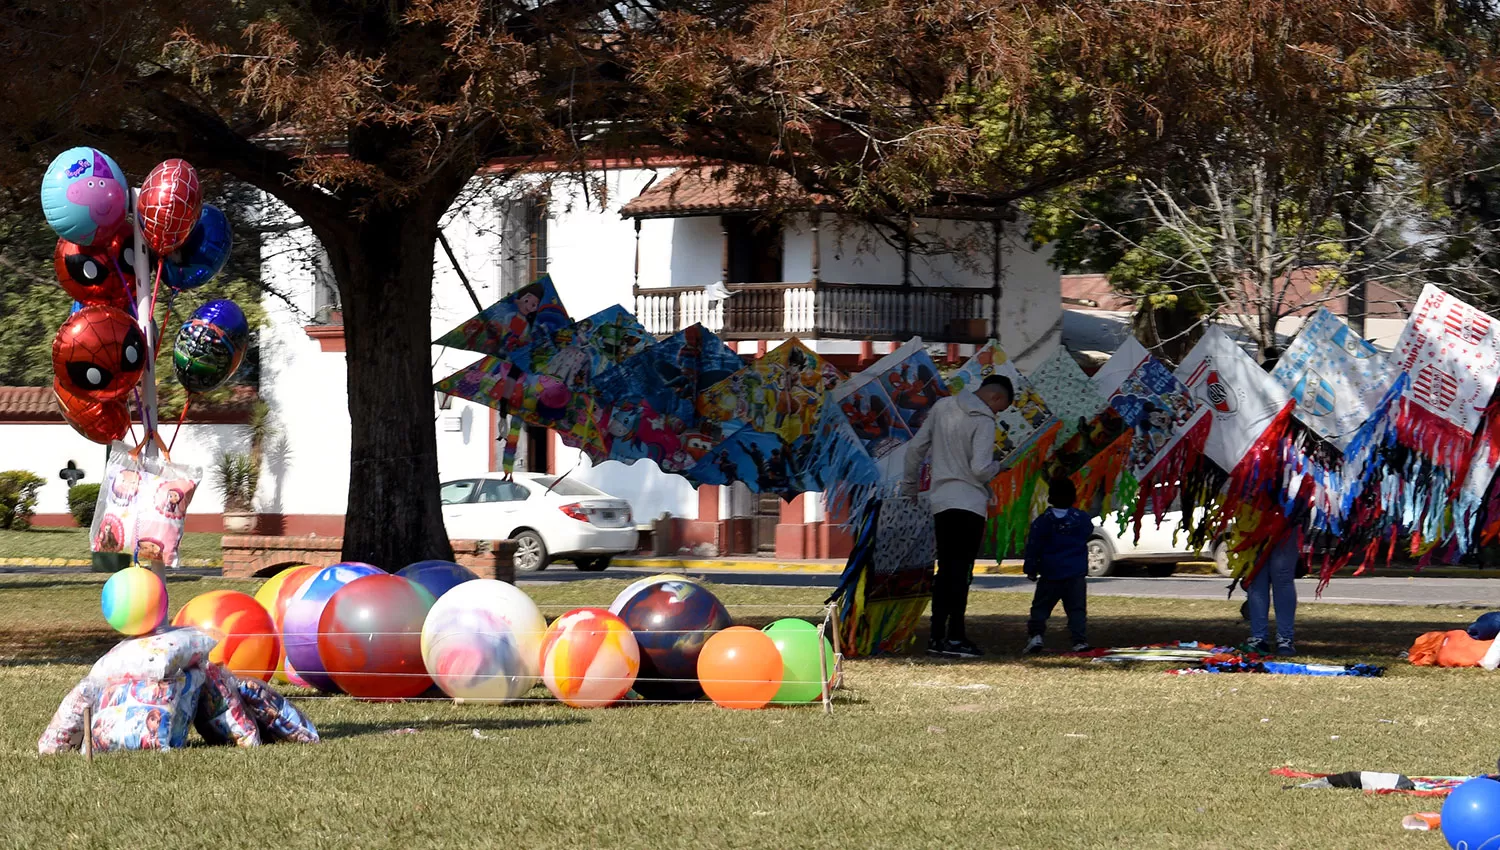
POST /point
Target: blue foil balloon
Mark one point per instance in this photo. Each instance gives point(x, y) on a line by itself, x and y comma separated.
point(204, 254)
point(210, 346)
point(85, 196)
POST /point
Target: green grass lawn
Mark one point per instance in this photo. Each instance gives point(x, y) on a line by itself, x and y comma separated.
point(197, 549)
point(1003, 753)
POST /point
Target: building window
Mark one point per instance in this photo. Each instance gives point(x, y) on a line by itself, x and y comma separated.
point(753, 246)
point(523, 242)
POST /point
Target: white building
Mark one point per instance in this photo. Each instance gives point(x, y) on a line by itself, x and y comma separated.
point(660, 239)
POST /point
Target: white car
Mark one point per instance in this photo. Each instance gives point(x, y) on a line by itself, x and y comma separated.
point(1157, 546)
point(549, 517)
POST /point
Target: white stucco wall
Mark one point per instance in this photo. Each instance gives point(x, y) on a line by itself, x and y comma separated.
point(45, 448)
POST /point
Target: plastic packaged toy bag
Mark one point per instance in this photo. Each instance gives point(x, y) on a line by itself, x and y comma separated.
point(158, 656)
point(141, 714)
point(142, 506)
point(222, 715)
point(65, 732)
point(277, 718)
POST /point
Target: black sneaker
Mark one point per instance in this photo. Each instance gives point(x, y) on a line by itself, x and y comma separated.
point(938, 647)
point(1257, 647)
point(1285, 647)
point(1082, 646)
point(963, 649)
point(1033, 645)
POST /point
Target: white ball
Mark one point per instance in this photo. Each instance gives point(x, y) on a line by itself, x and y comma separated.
point(482, 641)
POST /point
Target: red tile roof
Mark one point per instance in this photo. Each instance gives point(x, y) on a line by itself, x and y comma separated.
point(714, 189)
point(37, 404)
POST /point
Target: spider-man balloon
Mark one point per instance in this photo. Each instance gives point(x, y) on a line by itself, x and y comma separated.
point(169, 205)
point(99, 421)
point(97, 275)
point(99, 353)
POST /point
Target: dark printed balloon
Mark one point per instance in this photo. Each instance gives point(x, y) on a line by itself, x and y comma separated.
point(211, 346)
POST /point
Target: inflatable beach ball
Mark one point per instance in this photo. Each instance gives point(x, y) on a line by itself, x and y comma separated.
point(134, 601)
point(589, 658)
point(483, 641)
point(85, 196)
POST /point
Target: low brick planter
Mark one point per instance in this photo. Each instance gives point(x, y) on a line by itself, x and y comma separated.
point(247, 556)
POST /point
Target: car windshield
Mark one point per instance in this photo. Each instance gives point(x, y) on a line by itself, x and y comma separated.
point(566, 486)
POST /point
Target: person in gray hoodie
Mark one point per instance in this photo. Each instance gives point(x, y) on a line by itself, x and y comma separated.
point(1057, 559)
point(959, 436)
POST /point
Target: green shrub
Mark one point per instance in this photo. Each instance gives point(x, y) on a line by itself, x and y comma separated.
point(18, 498)
point(82, 500)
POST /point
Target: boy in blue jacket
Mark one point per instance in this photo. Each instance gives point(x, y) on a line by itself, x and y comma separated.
point(1057, 559)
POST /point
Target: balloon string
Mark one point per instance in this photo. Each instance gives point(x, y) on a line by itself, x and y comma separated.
point(181, 417)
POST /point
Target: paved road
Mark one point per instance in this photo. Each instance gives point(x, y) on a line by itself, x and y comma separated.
point(1458, 592)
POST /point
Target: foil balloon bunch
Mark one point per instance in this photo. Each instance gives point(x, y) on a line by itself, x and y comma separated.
point(116, 246)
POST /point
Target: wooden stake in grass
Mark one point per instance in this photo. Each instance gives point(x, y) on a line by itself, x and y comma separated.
point(823, 667)
point(88, 733)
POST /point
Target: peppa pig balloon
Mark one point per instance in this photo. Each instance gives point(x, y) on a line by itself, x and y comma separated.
point(85, 196)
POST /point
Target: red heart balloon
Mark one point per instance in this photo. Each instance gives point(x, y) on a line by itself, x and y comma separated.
point(169, 204)
point(99, 421)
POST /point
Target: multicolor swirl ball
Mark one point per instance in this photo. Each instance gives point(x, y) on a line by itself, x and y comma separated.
point(273, 596)
point(299, 628)
point(672, 620)
point(210, 346)
point(85, 196)
point(483, 641)
point(99, 353)
point(438, 577)
point(249, 644)
point(589, 658)
point(134, 601)
point(641, 584)
point(370, 637)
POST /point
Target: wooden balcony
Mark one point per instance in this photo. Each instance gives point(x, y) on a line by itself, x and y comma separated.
point(820, 310)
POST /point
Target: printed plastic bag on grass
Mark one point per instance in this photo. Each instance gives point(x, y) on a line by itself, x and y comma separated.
point(277, 718)
point(65, 732)
point(222, 715)
point(147, 715)
point(142, 506)
point(153, 657)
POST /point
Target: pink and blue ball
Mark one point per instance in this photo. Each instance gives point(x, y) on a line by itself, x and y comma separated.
point(299, 628)
point(134, 601)
point(85, 196)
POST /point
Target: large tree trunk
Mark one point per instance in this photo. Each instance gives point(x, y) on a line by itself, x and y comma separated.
point(384, 267)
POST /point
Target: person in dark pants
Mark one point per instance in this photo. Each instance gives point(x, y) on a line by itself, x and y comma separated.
point(1057, 559)
point(959, 437)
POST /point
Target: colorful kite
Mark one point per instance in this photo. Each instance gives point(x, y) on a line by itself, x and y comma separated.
point(1069, 393)
point(511, 327)
point(887, 581)
point(1028, 416)
point(1241, 397)
point(652, 398)
point(537, 398)
point(887, 403)
point(1336, 378)
point(765, 421)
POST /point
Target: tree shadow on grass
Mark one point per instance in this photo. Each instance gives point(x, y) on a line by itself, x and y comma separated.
point(483, 724)
point(1338, 640)
point(39, 648)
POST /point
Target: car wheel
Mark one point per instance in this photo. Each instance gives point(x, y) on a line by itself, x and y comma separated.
point(1221, 559)
point(1101, 557)
point(531, 553)
point(592, 565)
